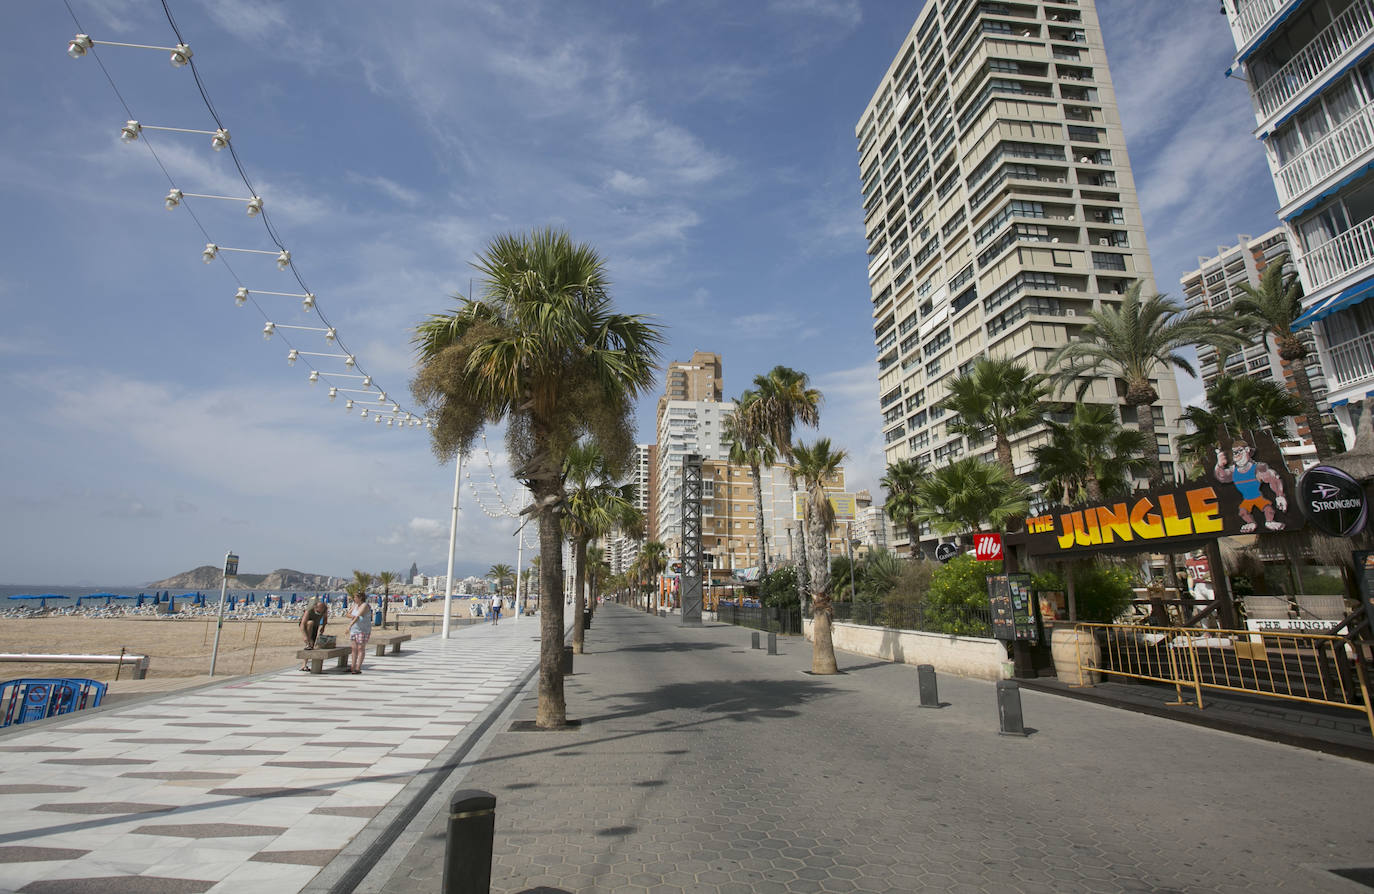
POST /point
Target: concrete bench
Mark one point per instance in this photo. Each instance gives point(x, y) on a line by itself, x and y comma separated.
point(317, 657)
point(393, 640)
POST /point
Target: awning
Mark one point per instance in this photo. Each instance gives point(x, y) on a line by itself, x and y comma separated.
point(1255, 42)
point(1341, 300)
point(1328, 192)
point(1325, 79)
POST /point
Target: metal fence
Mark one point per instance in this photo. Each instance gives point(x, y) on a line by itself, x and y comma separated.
point(1304, 667)
point(761, 617)
point(958, 620)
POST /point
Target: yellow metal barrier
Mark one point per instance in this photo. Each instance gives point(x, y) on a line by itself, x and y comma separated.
point(1315, 668)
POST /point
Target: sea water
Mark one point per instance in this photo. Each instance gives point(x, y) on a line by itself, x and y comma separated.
point(180, 598)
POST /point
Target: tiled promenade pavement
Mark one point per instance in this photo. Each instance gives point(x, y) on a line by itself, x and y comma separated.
point(249, 786)
point(704, 766)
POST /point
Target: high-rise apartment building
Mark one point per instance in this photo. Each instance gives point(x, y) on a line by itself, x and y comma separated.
point(623, 546)
point(684, 427)
point(999, 208)
point(1215, 286)
point(729, 524)
point(1312, 85)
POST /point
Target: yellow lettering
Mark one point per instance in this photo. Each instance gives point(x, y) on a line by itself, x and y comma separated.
point(1065, 539)
point(1084, 535)
point(1202, 502)
point(1114, 522)
point(1144, 522)
point(1173, 525)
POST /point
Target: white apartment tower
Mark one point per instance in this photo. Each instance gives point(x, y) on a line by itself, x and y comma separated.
point(1311, 79)
point(684, 427)
point(1215, 286)
point(622, 548)
point(999, 208)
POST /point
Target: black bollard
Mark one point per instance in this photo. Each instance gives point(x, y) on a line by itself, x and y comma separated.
point(772, 643)
point(467, 853)
point(930, 690)
point(1009, 708)
point(754, 639)
point(567, 659)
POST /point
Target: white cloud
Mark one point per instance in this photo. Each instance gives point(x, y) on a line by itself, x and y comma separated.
point(248, 19)
point(387, 187)
point(627, 183)
point(846, 13)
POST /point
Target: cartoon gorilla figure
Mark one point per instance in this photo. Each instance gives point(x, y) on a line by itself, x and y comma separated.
point(1248, 476)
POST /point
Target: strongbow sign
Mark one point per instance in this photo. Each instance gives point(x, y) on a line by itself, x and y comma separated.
point(987, 547)
point(946, 551)
point(1333, 502)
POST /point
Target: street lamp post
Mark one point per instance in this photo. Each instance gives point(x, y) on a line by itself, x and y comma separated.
point(231, 569)
point(849, 543)
point(452, 542)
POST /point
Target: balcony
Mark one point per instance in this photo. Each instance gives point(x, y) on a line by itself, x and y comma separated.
point(1343, 255)
point(1315, 59)
point(1328, 155)
point(1252, 14)
point(1351, 361)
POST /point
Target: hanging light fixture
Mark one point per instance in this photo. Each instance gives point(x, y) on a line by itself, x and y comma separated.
point(308, 303)
point(382, 398)
point(291, 356)
point(210, 253)
point(333, 392)
point(330, 334)
point(349, 361)
point(130, 131)
point(348, 404)
point(283, 259)
point(268, 329)
point(364, 413)
point(367, 381)
point(219, 139)
point(181, 54)
point(314, 376)
point(77, 46)
point(241, 296)
point(378, 417)
point(254, 206)
point(173, 199)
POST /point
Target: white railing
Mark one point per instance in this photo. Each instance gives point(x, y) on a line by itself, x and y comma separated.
point(1351, 361)
point(1342, 255)
point(1320, 54)
point(1252, 14)
point(1328, 155)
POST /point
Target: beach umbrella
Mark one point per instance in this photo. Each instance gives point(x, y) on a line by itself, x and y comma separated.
point(106, 596)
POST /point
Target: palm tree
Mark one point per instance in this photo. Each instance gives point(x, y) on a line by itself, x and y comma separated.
point(598, 572)
point(1090, 456)
point(815, 465)
point(968, 494)
point(1270, 311)
point(998, 396)
point(500, 573)
point(1135, 341)
point(749, 445)
point(901, 481)
point(1239, 407)
point(543, 350)
point(595, 507)
point(650, 564)
point(783, 398)
point(384, 580)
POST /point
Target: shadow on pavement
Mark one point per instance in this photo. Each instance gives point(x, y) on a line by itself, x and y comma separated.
point(668, 647)
point(740, 700)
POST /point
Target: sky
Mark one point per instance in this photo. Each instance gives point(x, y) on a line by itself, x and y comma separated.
point(705, 148)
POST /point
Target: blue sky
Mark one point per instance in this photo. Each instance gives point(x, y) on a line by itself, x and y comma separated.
point(706, 148)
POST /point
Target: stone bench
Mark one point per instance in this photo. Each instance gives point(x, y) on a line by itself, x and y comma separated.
point(393, 640)
point(317, 657)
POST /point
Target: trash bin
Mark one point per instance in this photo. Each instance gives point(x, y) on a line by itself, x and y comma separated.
point(377, 618)
point(586, 619)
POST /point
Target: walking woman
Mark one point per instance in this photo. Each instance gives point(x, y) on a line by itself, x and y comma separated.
point(359, 630)
point(312, 622)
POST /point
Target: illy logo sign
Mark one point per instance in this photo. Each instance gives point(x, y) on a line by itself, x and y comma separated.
point(987, 547)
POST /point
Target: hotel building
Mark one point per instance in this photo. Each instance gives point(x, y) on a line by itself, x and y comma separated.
point(999, 208)
point(1310, 72)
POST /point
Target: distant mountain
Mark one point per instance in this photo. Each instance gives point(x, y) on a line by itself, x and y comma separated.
point(208, 577)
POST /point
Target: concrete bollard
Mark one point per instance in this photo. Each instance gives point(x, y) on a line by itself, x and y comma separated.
point(1009, 708)
point(772, 643)
point(467, 852)
point(567, 660)
point(930, 690)
point(754, 639)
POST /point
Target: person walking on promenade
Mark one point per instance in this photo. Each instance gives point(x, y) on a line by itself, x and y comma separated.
point(313, 620)
point(359, 630)
point(496, 609)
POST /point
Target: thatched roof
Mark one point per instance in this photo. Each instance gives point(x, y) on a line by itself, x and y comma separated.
point(1358, 461)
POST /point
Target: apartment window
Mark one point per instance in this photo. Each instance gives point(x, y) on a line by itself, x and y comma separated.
point(1108, 261)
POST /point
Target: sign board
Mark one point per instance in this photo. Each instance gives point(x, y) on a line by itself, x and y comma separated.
point(231, 565)
point(1307, 625)
point(1013, 609)
point(987, 547)
point(1332, 501)
point(946, 551)
point(844, 505)
point(1249, 489)
point(1364, 577)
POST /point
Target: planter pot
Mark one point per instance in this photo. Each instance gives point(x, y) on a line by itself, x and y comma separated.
point(1076, 656)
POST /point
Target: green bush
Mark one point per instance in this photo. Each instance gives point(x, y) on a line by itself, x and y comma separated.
point(779, 587)
point(1102, 591)
point(957, 601)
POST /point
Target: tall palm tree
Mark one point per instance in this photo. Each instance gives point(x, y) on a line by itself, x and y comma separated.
point(653, 558)
point(543, 350)
point(784, 399)
point(1238, 407)
point(969, 494)
point(384, 580)
point(1001, 397)
point(816, 464)
point(1135, 341)
point(749, 445)
point(595, 507)
point(1270, 311)
point(598, 572)
point(901, 481)
point(500, 573)
point(1090, 456)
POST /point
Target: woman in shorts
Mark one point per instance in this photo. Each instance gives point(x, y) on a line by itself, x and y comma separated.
point(359, 630)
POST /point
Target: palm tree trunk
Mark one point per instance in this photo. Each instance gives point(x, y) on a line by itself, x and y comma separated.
point(553, 708)
point(1315, 429)
point(579, 586)
point(1004, 455)
point(803, 584)
point(1145, 421)
point(758, 519)
point(914, 536)
point(822, 617)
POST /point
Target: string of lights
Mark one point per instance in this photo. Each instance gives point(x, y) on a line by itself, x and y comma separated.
point(136, 131)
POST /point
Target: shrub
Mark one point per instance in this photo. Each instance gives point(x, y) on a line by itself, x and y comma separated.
point(958, 598)
point(779, 587)
point(1102, 591)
